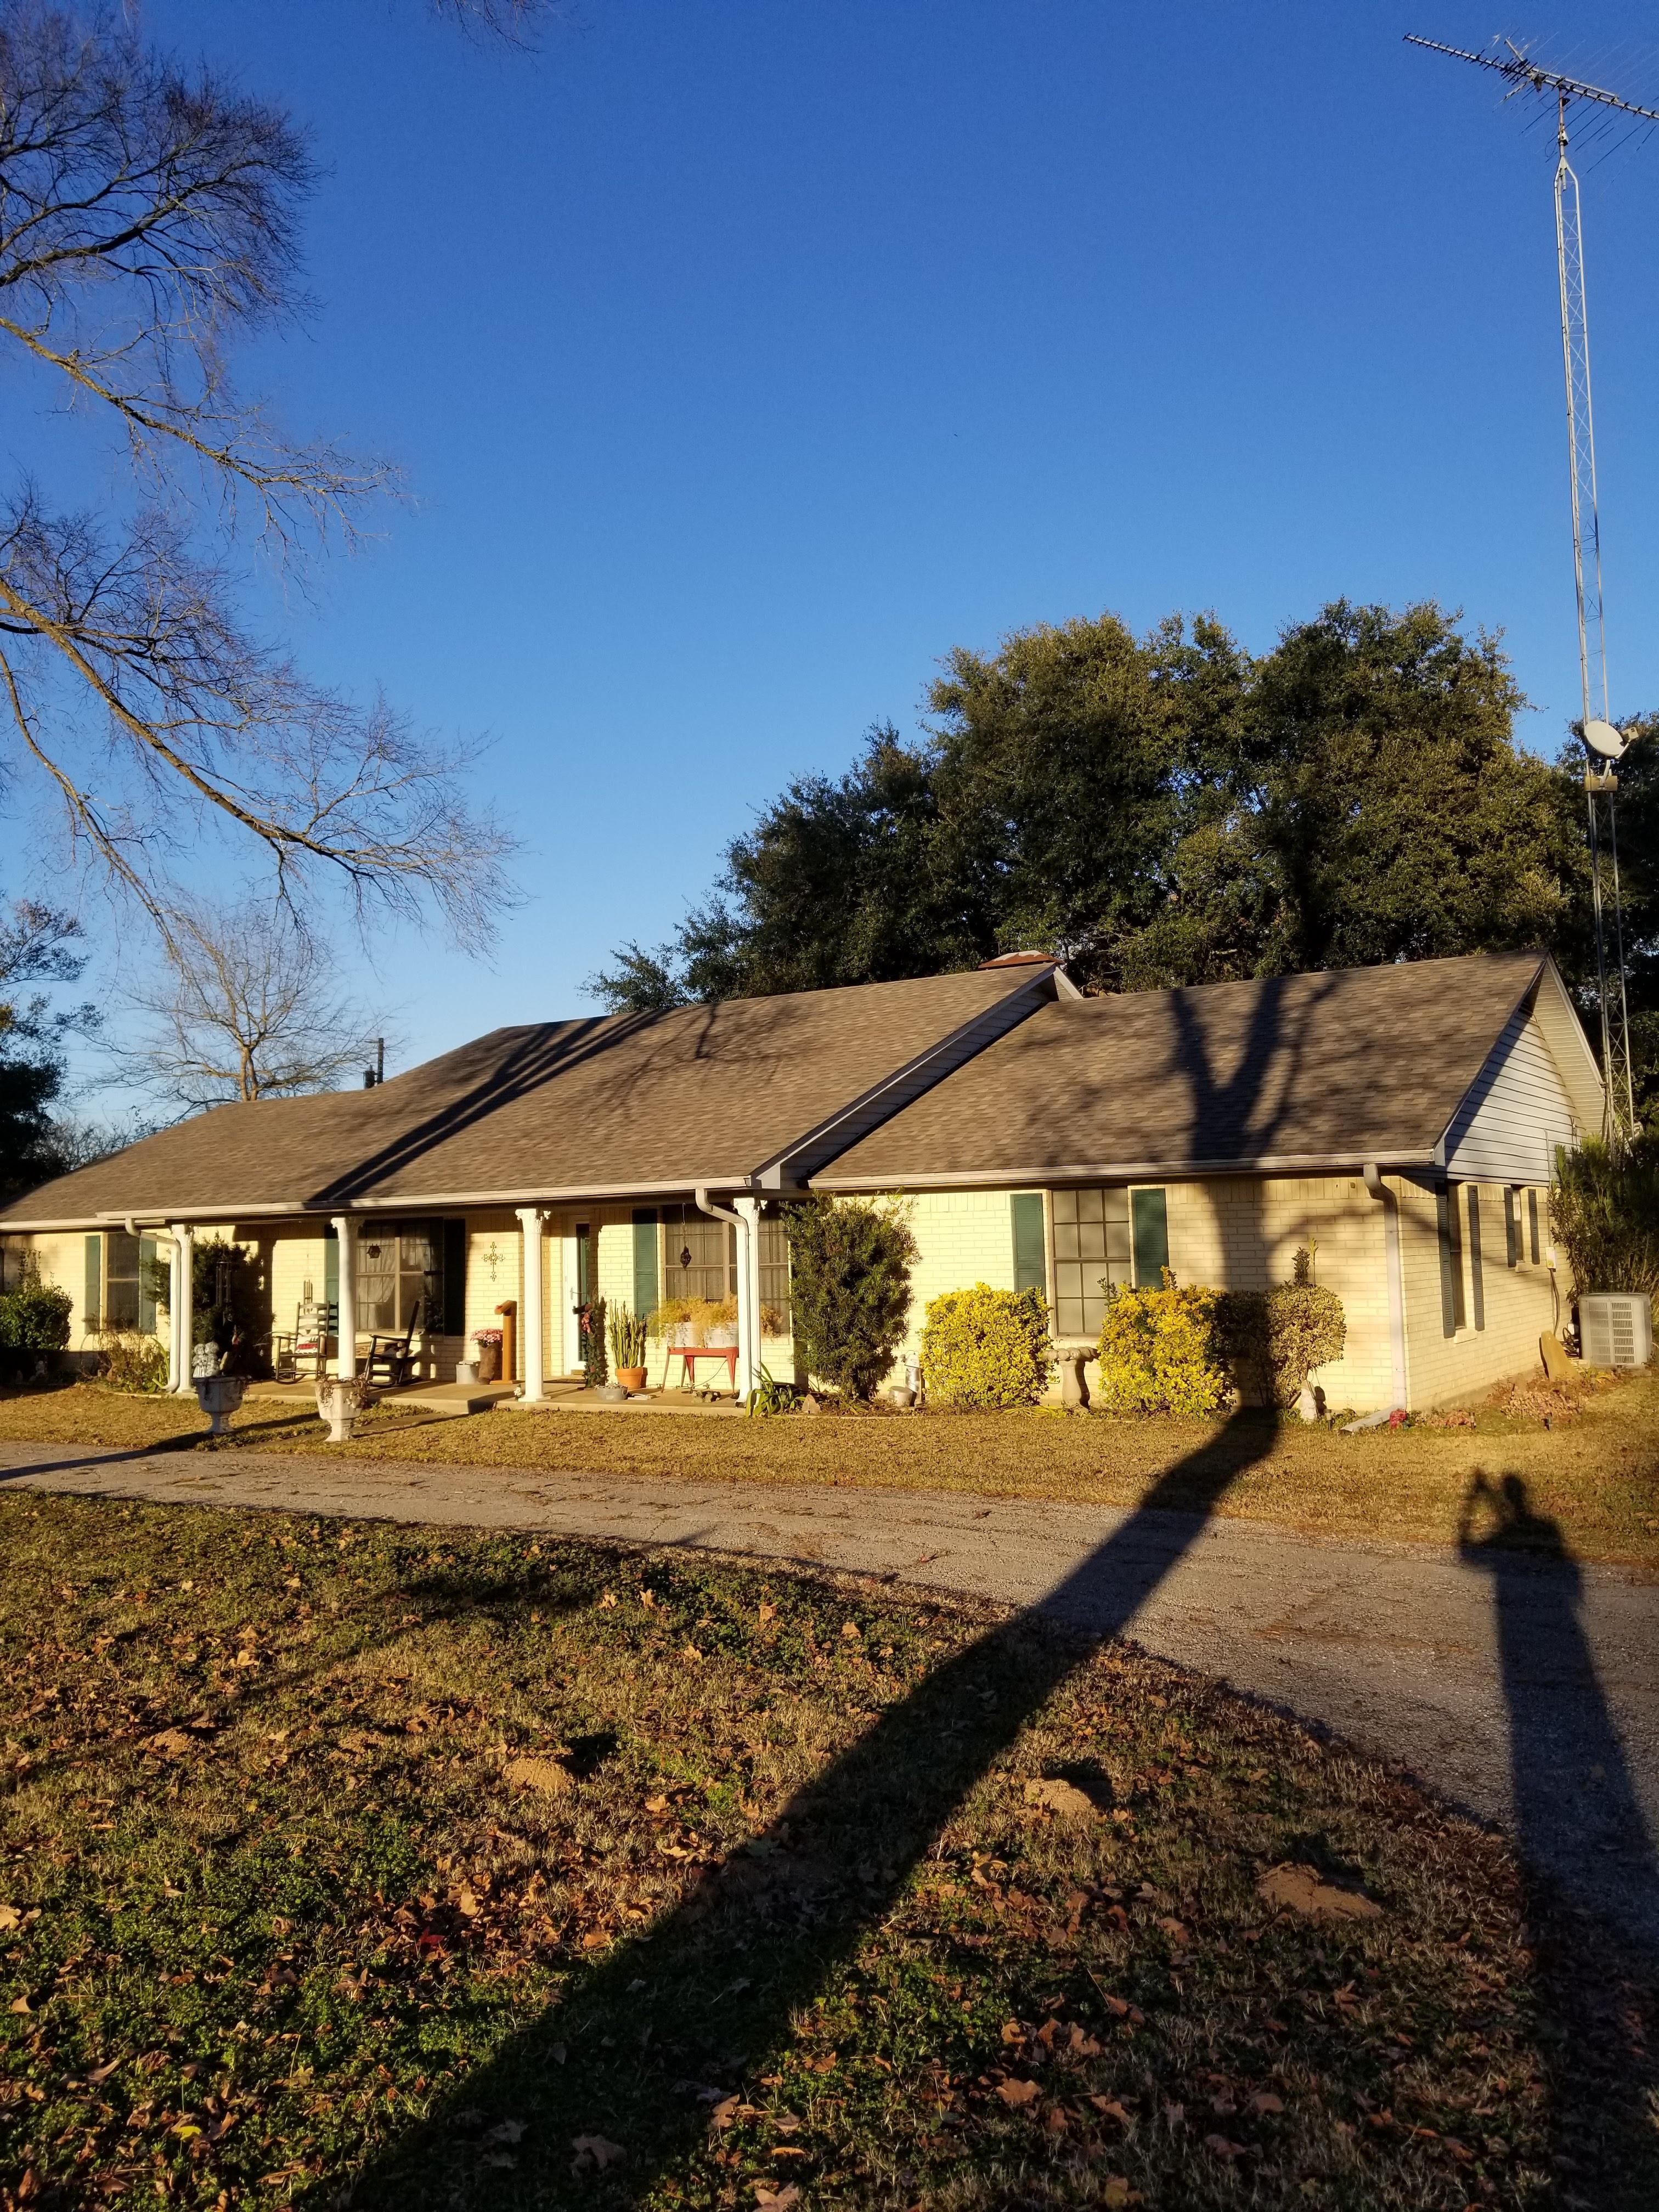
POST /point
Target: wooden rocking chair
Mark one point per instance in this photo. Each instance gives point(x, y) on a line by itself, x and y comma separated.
point(305, 1353)
point(391, 1361)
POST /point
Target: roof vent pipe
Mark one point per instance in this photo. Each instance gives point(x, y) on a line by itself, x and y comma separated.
point(1391, 1205)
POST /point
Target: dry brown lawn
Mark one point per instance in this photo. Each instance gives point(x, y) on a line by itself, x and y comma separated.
point(1595, 1473)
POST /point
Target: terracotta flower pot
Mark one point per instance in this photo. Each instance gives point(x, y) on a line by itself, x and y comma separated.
point(631, 1378)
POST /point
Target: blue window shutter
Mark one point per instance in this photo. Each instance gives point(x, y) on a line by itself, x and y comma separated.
point(1030, 1250)
point(1150, 1218)
point(146, 1285)
point(454, 1313)
point(646, 1300)
point(92, 1306)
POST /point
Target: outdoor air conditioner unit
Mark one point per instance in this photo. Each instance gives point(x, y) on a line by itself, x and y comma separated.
point(1615, 1328)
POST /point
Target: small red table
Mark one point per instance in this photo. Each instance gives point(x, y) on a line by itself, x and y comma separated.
point(689, 1354)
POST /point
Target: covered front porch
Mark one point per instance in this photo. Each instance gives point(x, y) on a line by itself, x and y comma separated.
point(415, 1294)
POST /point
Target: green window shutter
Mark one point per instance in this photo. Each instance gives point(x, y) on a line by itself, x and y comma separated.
point(92, 1306)
point(646, 1299)
point(1150, 1220)
point(330, 1267)
point(147, 1285)
point(454, 1316)
point(1477, 1276)
point(1030, 1251)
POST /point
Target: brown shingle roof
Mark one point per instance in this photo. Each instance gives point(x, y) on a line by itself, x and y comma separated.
point(623, 1102)
point(1349, 1065)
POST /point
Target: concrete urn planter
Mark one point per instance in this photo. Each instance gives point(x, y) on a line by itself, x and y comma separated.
point(722, 1335)
point(339, 1402)
point(218, 1396)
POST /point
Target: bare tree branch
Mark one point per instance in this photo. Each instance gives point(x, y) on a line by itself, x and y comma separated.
point(243, 1005)
point(149, 217)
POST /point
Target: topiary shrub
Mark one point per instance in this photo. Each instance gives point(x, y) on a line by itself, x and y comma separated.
point(1604, 1214)
point(983, 1349)
point(849, 1286)
point(1274, 1339)
point(34, 1321)
point(1161, 1352)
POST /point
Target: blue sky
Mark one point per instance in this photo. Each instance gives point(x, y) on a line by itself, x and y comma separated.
point(744, 357)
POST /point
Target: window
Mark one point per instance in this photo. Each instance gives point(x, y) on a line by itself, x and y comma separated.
point(1532, 1226)
point(400, 1267)
point(775, 1265)
point(1511, 1231)
point(700, 1254)
point(121, 1280)
point(1091, 1249)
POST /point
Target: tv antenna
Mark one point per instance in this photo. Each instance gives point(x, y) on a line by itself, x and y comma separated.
point(1604, 743)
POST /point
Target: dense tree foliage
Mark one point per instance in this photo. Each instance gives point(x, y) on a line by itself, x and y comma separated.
point(38, 945)
point(1169, 810)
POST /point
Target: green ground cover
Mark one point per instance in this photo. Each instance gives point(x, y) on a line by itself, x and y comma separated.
point(1595, 1472)
point(350, 1863)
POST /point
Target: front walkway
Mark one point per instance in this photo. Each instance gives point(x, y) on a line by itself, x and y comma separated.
point(1410, 1652)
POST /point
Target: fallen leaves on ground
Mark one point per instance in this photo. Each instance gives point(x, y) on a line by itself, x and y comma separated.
point(1304, 1889)
point(1064, 1798)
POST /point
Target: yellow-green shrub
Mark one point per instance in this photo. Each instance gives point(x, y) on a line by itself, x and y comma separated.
point(1160, 1352)
point(981, 1349)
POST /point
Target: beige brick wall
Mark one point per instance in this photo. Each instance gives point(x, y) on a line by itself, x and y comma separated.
point(1519, 1305)
point(1232, 1233)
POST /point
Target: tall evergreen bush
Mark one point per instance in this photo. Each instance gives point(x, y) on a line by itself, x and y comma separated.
point(849, 1286)
point(1604, 1214)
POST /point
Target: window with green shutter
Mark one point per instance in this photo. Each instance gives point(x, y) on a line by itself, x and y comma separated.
point(1092, 1254)
point(775, 1266)
point(1150, 1218)
point(1030, 1246)
point(147, 1250)
point(92, 1302)
point(646, 1296)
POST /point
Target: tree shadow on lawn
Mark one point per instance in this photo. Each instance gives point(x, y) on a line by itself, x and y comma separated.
point(716, 1981)
point(1574, 1796)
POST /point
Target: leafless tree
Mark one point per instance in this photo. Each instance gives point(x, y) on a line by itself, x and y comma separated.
point(148, 220)
point(244, 1005)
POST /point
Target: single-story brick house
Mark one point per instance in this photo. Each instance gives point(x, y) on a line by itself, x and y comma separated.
point(1402, 1119)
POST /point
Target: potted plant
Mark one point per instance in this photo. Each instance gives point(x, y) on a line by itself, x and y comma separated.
point(340, 1399)
point(626, 1330)
point(722, 1325)
point(489, 1341)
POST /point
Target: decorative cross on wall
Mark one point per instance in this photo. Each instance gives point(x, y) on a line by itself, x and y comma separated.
point(493, 1258)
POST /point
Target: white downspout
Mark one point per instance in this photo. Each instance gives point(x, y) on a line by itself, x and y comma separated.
point(169, 1236)
point(1391, 1205)
point(744, 1222)
point(530, 1223)
point(345, 1228)
point(180, 1317)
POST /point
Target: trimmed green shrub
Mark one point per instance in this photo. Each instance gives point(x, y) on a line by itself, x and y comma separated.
point(983, 1349)
point(133, 1362)
point(849, 1284)
point(1161, 1352)
point(1604, 1214)
point(1274, 1339)
point(34, 1320)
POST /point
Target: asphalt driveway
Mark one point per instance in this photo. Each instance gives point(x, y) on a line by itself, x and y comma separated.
point(1521, 1686)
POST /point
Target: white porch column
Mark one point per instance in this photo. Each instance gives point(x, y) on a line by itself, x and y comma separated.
point(530, 1221)
point(345, 1228)
point(749, 1298)
point(180, 1320)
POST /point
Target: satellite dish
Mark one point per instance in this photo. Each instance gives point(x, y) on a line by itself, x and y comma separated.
point(1601, 738)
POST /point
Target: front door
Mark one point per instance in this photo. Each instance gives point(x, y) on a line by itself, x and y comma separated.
point(579, 1277)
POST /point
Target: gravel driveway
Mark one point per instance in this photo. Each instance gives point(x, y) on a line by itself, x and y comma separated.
point(1523, 1688)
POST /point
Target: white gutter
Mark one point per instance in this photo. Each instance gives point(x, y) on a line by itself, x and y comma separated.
point(999, 1176)
point(1391, 1205)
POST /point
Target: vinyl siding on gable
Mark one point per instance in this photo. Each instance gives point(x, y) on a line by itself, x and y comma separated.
point(1514, 1115)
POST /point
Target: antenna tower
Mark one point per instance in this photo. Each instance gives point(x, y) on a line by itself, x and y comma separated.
point(1603, 743)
